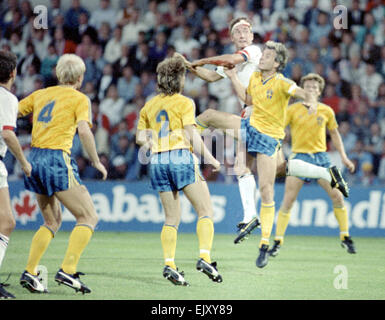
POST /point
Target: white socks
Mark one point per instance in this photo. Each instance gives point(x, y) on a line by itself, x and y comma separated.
point(3, 247)
point(248, 189)
point(299, 168)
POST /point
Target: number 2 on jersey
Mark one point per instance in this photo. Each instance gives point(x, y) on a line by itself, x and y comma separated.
point(45, 114)
point(165, 129)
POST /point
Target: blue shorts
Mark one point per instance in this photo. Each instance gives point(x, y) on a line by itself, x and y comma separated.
point(173, 170)
point(319, 159)
point(258, 142)
point(52, 171)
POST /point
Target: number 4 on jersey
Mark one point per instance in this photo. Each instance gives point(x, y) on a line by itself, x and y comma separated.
point(45, 114)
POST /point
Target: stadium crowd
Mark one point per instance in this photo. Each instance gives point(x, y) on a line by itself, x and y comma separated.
point(122, 46)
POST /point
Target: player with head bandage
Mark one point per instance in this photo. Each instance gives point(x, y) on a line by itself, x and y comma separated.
point(246, 61)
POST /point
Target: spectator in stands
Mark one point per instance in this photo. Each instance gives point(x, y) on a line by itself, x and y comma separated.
point(17, 45)
point(348, 138)
point(29, 58)
point(355, 15)
point(41, 39)
point(28, 80)
point(158, 50)
point(370, 82)
point(130, 31)
point(373, 144)
point(49, 62)
point(105, 13)
point(361, 156)
point(84, 27)
point(113, 49)
point(112, 106)
point(351, 60)
point(118, 169)
point(193, 15)
point(126, 84)
point(219, 15)
point(381, 169)
point(53, 11)
point(186, 43)
point(73, 13)
point(63, 45)
point(106, 81)
point(84, 48)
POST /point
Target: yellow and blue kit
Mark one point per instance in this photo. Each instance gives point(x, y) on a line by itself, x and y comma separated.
point(308, 133)
point(264, 130)
point(173, 165)
point(56, 113)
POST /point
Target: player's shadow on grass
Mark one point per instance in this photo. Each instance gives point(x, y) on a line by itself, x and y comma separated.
point(121, 277)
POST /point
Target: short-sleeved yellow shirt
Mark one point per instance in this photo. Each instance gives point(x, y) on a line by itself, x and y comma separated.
point(270, 100)
point(56, 113)
point(308, 131)
point(166, 116)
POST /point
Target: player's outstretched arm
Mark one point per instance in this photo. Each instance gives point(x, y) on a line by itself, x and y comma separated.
point(88, 142)
point(337, 142)
point(225, 60)
point(200, 148)
point(203, 73)
point(13, 144)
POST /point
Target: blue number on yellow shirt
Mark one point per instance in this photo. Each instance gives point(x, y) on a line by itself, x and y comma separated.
point(165, 129)
point(45, 114)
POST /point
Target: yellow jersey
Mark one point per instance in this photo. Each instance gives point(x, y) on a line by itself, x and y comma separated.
point(308, 131)
point(270, 100)
point(166, 116)
point(56, 113)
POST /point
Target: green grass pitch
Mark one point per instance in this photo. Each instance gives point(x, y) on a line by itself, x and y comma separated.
point(128, 266)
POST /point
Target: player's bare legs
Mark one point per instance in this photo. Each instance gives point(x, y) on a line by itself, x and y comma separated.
point(220, 120)
point(341, 215)
point(281, 164)
point(52, 215)
point(7, 224)
point(78, 201)
point(51, 211)
point(7, 221)
point(199, 196)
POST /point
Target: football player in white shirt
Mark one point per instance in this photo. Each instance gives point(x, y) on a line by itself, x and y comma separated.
point(246, 60)
point(8, 139)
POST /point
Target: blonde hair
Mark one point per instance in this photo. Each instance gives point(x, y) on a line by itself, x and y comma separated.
point(170, 73)
point(281, 51)
point(69, 69)
point(313, 76)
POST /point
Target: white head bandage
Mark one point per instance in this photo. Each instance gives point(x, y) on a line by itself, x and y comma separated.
point(241, 23)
